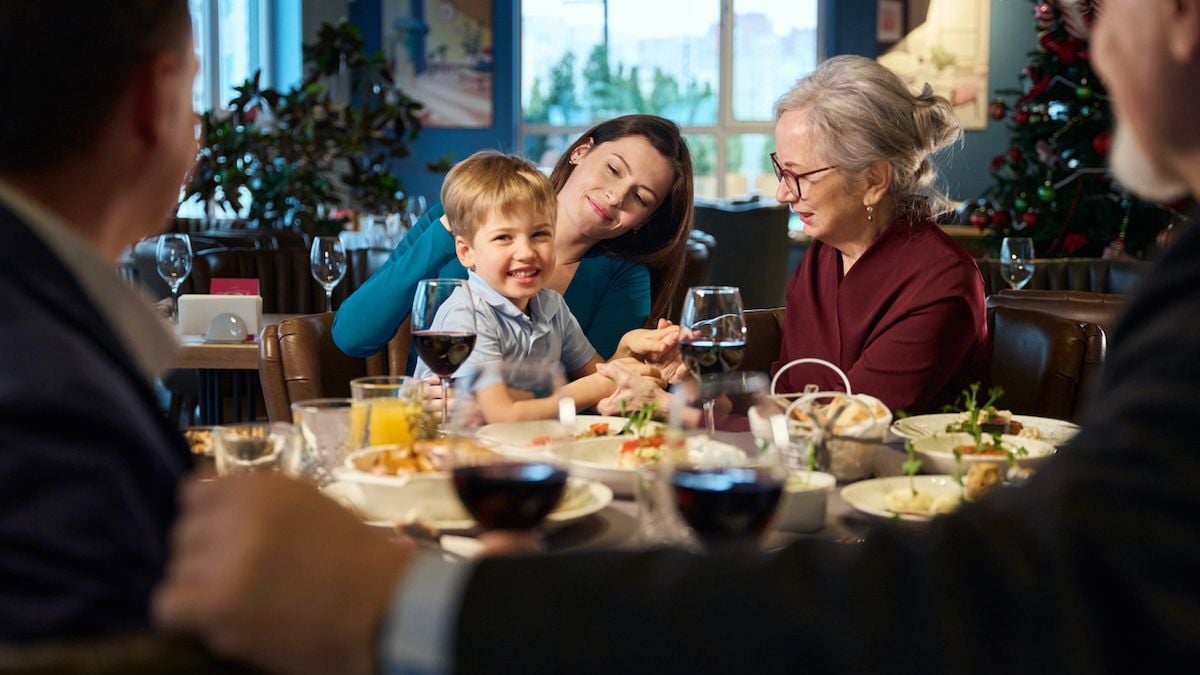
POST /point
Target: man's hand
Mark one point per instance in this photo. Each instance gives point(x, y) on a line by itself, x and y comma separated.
point(269, 572)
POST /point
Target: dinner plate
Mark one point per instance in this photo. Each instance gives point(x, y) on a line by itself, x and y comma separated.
point(1055, 432)
point(383, 501)
point(520, 435)
point(868, 496)
point(598, 459)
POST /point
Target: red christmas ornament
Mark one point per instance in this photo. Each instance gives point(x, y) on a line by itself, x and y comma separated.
point(997, 163)
point(1045, 16)
point(1029, 218)
point(1014, 154)
point(997, 109)
point(1001, 219)
point(979, 219)
point(1102, 143)
point(1021, 118)
point(1073, 242)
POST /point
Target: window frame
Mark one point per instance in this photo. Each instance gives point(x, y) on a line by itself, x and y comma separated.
point(726, 125)
point(210, 67)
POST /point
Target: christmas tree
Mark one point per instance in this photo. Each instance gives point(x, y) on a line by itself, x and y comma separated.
point(1053, 184)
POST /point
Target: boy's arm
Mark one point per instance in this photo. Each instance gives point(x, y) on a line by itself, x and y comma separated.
point(498, 403)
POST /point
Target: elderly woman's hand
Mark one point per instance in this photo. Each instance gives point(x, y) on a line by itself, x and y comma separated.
point(632, 389)
point(649, 344)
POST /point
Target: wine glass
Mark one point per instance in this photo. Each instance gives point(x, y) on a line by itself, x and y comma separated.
point(443, 325)
point(1016, 261)
point(712, 334)
point(254, 447)
point(508, 492)
point(173, 258)
point(328, 260)
point(726, 494)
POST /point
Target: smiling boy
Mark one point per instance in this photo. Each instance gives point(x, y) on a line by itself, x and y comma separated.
point(501, 211)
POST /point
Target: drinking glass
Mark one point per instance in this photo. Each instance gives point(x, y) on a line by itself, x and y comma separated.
point(416, 208)
point(255, 447)
point(173, 258)
point(393, 410)
point(728, 495)
point(328, 259)
point(712, 334)
point(443, 325)
point(508, 492)
point(1016, 261)
point(327, 426)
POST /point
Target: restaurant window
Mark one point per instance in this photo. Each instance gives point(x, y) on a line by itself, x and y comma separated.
point(715, 68)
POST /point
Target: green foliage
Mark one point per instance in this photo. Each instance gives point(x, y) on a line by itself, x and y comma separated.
point(299, 153)
point(1052, 184)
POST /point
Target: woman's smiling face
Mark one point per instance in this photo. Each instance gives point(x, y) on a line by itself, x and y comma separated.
point(615, 187)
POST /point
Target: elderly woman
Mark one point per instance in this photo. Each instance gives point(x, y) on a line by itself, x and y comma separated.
point(883, 292)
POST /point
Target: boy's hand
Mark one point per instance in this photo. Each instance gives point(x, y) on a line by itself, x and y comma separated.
point(633, 389)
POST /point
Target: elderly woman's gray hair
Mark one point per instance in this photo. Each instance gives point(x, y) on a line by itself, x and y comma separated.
point(859, 112)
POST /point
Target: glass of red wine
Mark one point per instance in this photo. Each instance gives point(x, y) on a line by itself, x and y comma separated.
point(443, 328)
point(507, 491)
point(726, 493)
point(712, 335)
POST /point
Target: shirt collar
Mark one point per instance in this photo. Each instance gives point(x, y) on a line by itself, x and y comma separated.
point(540, 309)
point(138, 327)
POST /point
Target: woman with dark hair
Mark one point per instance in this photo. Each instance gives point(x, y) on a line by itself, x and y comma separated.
point(624, 214)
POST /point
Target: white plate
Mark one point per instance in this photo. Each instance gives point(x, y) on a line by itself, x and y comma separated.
point(1055, 432)
point(383, 500)
point(868, 496)
point(596, 459)
point(520, 435)
point(937, 452)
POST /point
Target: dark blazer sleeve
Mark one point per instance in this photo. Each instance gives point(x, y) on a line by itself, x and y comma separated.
point(1088, 567)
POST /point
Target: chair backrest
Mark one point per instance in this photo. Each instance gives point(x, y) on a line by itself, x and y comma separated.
point(297, 360)
point(752, 249)
point(285, 277)
point(1047, 364)
point(1098, 308)
point(362, 263)
point(696, 268)
point(125, 655)
point(1097, 275)
point(764, 335)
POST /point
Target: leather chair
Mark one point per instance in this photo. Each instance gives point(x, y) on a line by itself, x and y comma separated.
point(141, 654)
point(752, 249)
point(696, 268)
point(1096, 275)
point(1047, 364)
point(1101, 309)
point(764, 335)
point(297, 360)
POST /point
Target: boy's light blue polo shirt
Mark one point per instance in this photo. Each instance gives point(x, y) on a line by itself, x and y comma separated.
point(505, 333)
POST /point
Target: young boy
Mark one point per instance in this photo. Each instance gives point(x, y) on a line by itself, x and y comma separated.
point(502, 212)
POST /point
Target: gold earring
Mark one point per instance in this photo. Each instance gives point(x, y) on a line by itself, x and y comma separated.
point(870, 213)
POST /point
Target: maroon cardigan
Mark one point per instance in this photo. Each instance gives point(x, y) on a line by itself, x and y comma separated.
point(908, 324)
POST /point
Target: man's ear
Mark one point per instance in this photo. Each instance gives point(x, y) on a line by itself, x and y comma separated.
point(152, 97)
point(1183, 30)
point(878, 178)
point(466, 255)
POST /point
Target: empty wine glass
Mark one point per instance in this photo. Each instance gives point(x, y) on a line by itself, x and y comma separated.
point(416, 207)
point(712, 334)
point(328, 260)
point(508, 492)
point(173, 258)
point(443, 327)
point(1016, 261)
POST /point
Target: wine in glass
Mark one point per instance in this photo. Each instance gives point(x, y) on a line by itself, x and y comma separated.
point(443, 323)
point(728, 497)
point(712, 334)
point(173, 258)
point(504, 492)
point(1016, 261)
point(328, 259)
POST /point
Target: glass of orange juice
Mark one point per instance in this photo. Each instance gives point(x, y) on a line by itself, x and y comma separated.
point(393, 410)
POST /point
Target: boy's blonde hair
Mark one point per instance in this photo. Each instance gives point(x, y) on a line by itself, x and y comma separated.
point(490, 182)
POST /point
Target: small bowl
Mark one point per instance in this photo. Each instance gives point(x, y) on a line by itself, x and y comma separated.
point(937, 452)
point(805, 495)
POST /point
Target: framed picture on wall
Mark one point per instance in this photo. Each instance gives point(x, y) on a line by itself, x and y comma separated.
point(890, 25)
point(441, 54)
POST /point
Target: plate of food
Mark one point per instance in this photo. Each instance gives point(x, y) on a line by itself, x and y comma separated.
point(906, 498)
point(430, 499)
point(953, 453)
point(614, 461)
point(1052, 431)
point(539, 433)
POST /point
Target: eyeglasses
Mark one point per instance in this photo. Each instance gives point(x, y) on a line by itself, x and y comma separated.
point(792, 180)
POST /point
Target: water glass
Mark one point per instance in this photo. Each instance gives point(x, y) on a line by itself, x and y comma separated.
point(393, 410)
point(173, 259)
point(1016, 261)
point(256, 447)
point(328, 261)
point(327, 426)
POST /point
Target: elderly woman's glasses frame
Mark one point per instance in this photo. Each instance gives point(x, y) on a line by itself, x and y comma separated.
point(791, 179)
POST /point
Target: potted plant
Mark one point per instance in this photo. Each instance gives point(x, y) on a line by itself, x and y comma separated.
point(288, 159)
